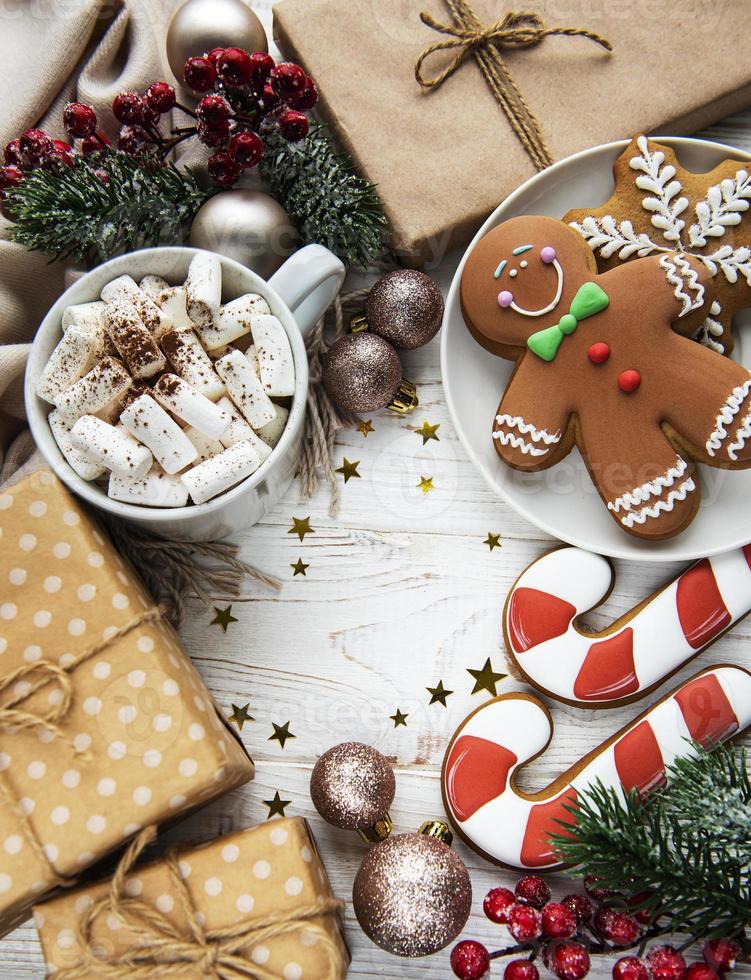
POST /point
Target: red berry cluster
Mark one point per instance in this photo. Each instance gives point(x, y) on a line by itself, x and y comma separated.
point(563, 934)
point(32, 150)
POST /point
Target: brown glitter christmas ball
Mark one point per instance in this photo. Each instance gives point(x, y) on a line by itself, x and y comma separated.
point(412, 895)
point(361, 372)
point(405, 307)
point(352, 786)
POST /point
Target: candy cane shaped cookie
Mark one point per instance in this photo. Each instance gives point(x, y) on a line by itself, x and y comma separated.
point(490, 747)
point(639, 650)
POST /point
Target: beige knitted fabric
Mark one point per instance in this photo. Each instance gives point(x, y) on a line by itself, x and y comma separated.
point(52, 51)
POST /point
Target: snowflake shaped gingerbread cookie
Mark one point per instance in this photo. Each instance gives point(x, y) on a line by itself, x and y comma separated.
point(658, 207)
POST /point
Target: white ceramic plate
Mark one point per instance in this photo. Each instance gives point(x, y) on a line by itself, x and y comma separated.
point(562, 500)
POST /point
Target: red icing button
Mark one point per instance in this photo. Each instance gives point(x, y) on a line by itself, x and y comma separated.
point(598, 353)
point(629, 381)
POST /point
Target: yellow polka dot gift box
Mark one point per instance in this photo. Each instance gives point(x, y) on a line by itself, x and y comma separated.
point(257, 903)
point(105, 725)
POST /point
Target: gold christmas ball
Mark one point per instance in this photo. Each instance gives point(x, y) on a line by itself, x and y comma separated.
point(412, 895)
point(248, 226)
point(352, 786)
point(200, 25)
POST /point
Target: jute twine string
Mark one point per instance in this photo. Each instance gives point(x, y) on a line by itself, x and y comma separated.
point(33, 678)
point(155, 941)
point(485, 42)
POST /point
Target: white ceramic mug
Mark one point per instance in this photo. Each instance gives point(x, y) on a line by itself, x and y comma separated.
point(298, 294)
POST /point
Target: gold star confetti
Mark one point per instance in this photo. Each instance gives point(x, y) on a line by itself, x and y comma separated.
point(276, 806)
point(223, 618)
point(428, 432)
point(299, 567)
point(426, 484)
point(348, 470)
point(366, 427)
point(493, 541)
point(485, 678)
point(281, 733)
point(438, 694)
point(399, 719)
point(241, 715)
point(301, 527)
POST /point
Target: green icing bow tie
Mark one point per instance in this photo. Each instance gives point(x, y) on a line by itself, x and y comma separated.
point(589, 299)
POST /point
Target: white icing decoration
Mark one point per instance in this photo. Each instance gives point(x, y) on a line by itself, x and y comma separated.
point(609, 236)
point(509, 439)
point(684, 277)
point(538, 435)
point(663, 198)
point(654, 488)
point(741, 436)
point(585, 580)
point(661, 506)
point(710, 329)
point(553, 303)
point(722, 208)
point(727, 413)
point(514, 273)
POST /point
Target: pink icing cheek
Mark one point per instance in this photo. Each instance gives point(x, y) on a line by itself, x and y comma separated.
point(547, 254)
point(505, 298)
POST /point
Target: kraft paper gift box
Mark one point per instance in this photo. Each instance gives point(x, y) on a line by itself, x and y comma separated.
point(444, 158)
point(266, 874)
point(105, 725)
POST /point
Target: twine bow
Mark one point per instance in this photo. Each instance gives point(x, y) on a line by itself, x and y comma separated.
point(516, 30)
point(155, 942)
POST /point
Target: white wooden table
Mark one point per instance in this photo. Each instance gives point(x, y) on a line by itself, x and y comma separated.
point(401, 592)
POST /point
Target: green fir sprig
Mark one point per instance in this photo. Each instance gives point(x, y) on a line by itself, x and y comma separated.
point(102, 205)
point(688, 846)
point(327, 200)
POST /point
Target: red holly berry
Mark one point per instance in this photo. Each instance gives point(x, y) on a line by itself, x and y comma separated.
point(261, 66)
point(568, 960)
point(701, 971)
point(288, 80)
point(524, 923)
point(79, 120)
point(630, 968)
point(246, 148)
point(593, 888)
point(160, 96)
point(521, 970)
point(13, 154)
point(666, 963)
point(132, 140)
point(10, 176)
point(63, 152)
point(558, 921)
point(36, 147)
point(234, 66)
point(293, 125)
point(470, 960)
point(213, 110)
point(129, 108)
point(213, 135)
point(532, 890)
point(214, 54)
point(223, 169)
point(269, 100)
point(93, 144)
point(580, 906)
point(623, 930)
point(307, 98)
point(644, 916)
point(497, 904)
point(199, 74)
point(721, 953)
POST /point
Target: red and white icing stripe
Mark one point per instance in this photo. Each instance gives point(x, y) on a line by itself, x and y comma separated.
point(532, 441)
point(496, 741)
point(590, 669)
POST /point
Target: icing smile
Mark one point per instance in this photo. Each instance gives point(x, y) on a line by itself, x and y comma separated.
point(506, 297)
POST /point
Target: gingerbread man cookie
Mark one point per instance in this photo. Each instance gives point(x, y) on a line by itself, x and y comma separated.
point(599, 366)
point(658, 207)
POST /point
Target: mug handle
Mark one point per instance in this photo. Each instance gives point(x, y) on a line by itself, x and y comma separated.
point(308, 282)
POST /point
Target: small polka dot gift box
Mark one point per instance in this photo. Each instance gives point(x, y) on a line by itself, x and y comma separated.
point(257, 903)
point(105, 725)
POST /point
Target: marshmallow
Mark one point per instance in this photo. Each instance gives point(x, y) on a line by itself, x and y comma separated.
point(87, 315)
point(134, 343)
point(98, 391)
point(205, 447)
point(272, 433)
point(149, 422)
point(252, 354)
point(156, 489)
point(76, 353)
point(188, 404)
point(124, 289)
point(277, 368)
point(174, 304)
point(233, 321)
point(239, 431)
point(155, 288)
point(204, 289)
point(81, 462)
point(111, 446)
point(221, 472)
point(245, 389)
point(191, 362)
